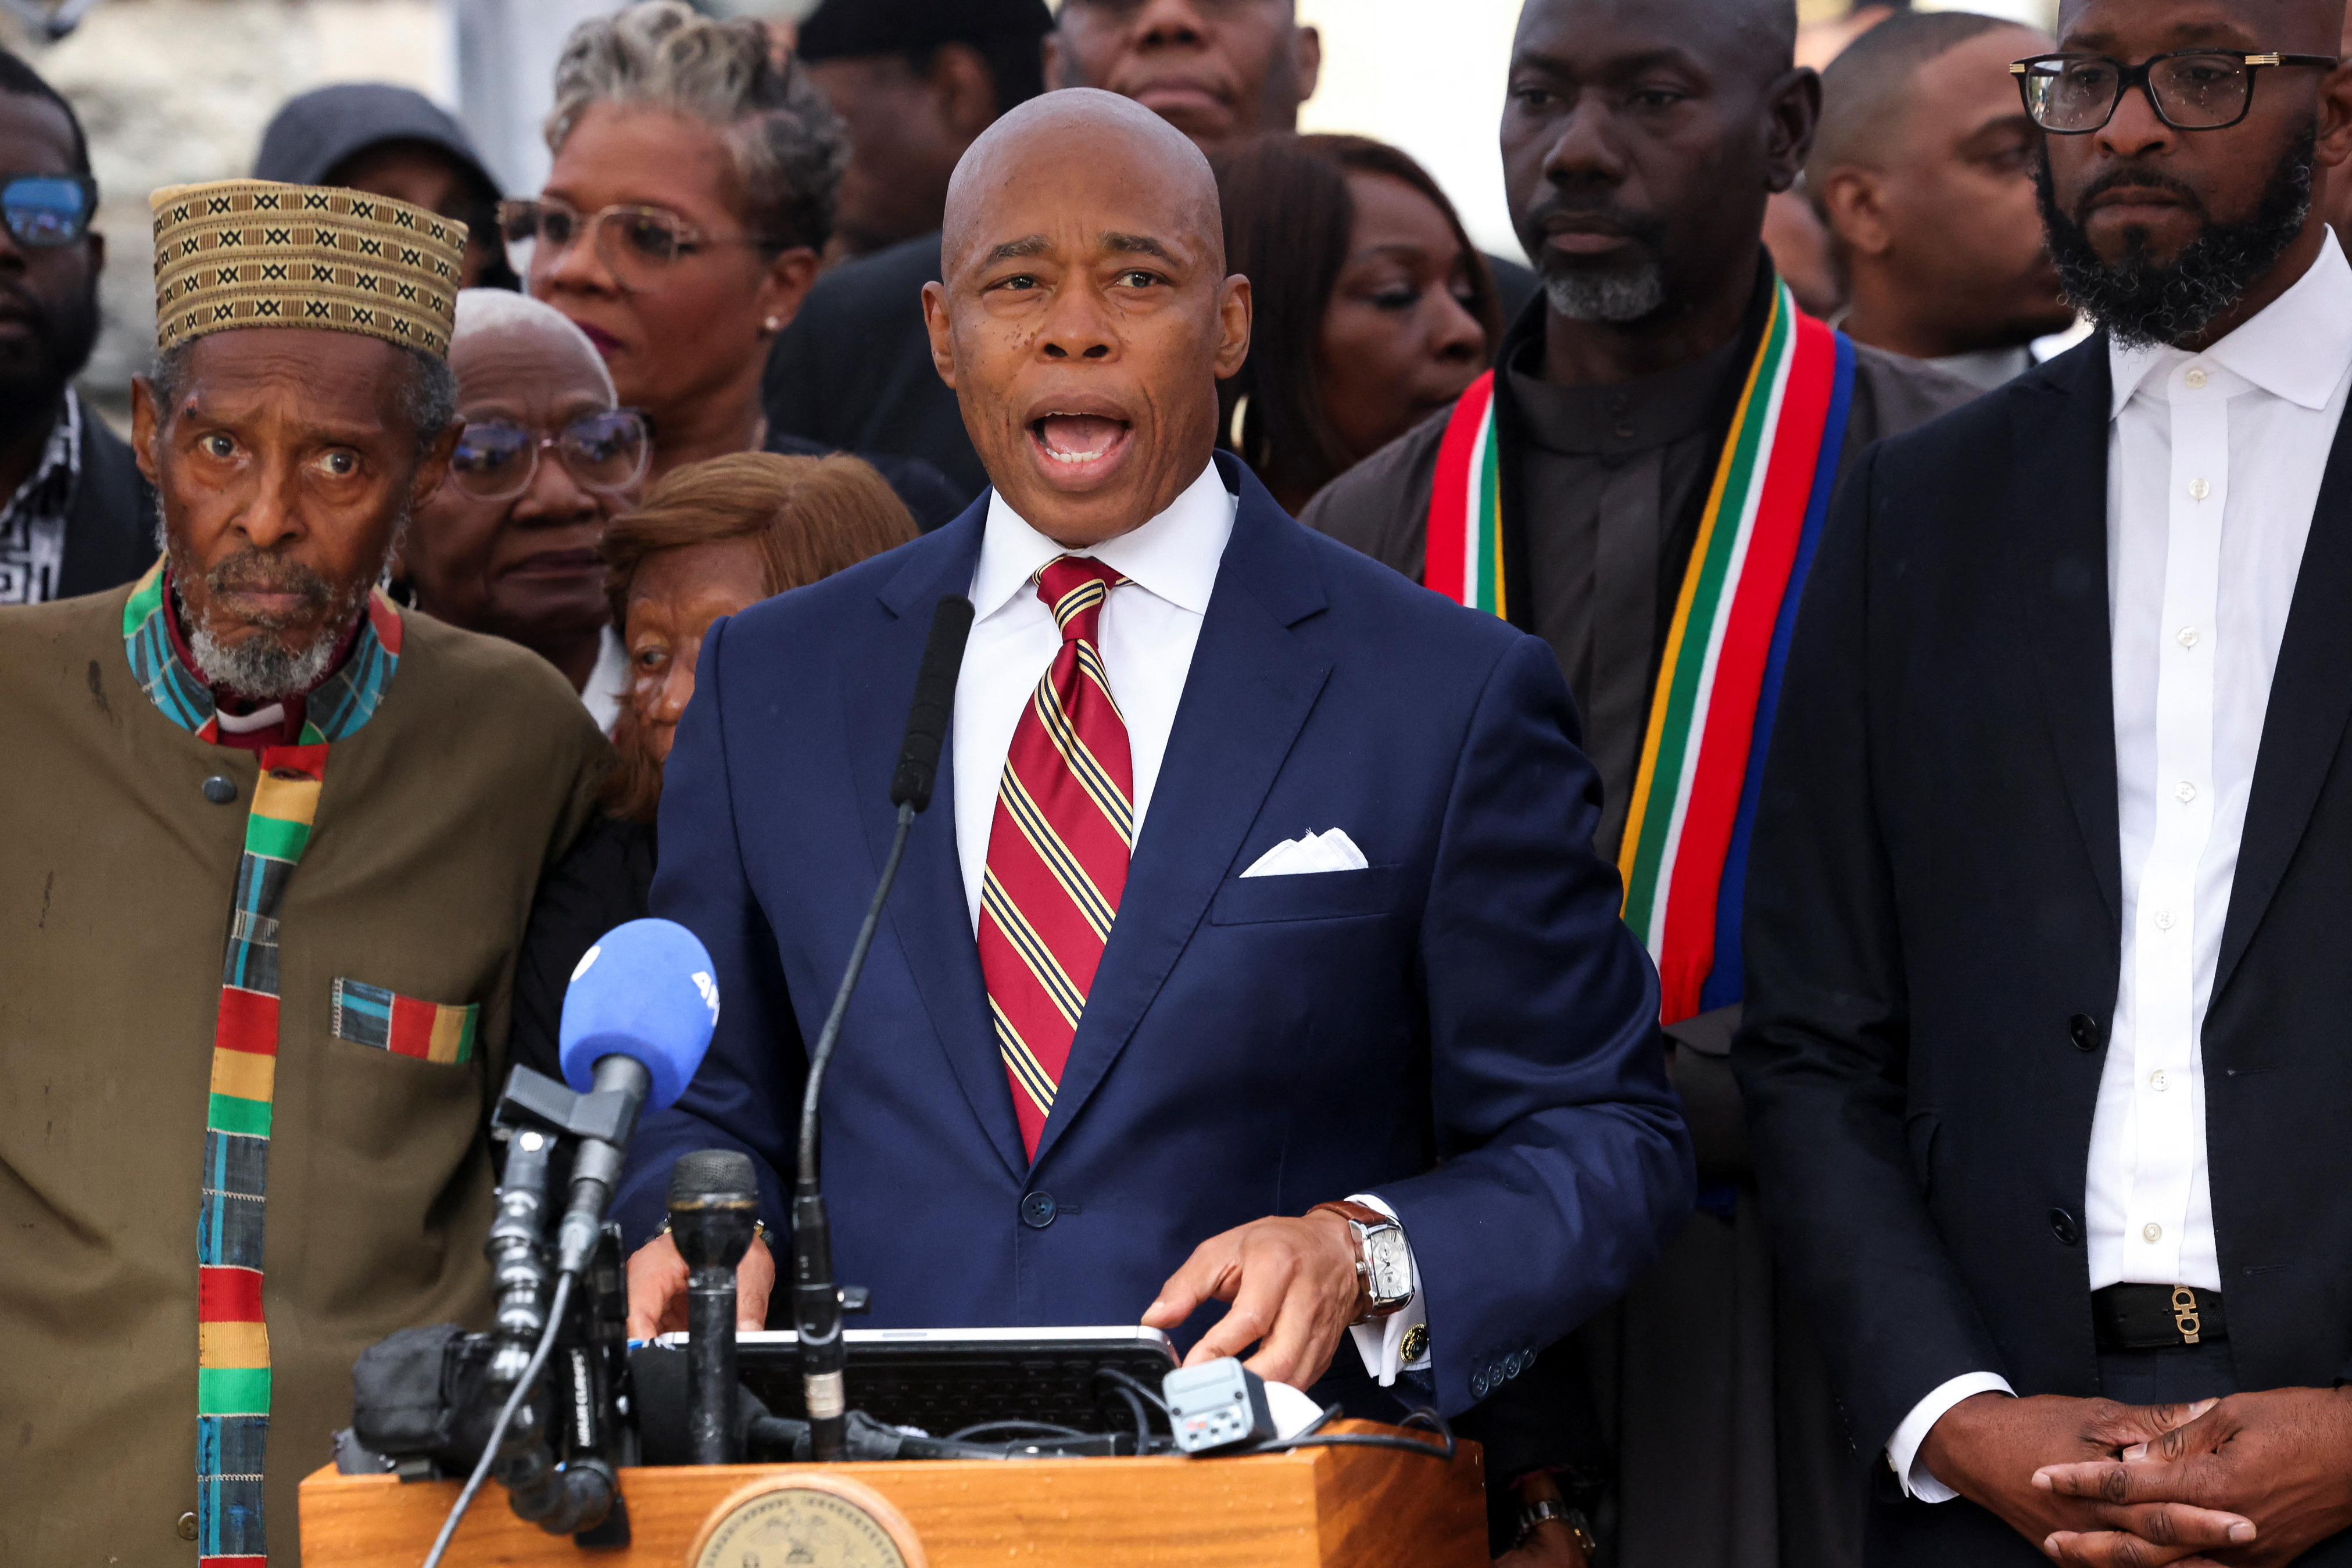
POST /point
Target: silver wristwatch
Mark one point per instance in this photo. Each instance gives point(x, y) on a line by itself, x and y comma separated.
point(1383, 1261)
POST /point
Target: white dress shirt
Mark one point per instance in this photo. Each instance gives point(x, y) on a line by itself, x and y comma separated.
point(1146, 635)
point(2214, 462)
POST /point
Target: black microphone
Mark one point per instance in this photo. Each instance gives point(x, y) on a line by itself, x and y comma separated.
point(927, 718)
point(714, 1209)
point(816, 1298)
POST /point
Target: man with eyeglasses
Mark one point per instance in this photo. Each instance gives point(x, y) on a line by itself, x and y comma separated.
point(77, 517)
point(271, 846)
point(2044, 1052)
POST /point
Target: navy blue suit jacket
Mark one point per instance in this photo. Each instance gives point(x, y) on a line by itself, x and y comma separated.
point(1465, 1028)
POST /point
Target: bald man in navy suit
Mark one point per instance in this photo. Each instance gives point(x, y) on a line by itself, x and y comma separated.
point(1256, 952)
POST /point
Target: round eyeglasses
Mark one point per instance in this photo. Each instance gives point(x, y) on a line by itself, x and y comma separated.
point(634, 243)
point(606, 452)
point(2191, 90)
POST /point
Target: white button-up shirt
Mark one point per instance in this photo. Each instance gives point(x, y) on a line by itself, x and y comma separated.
point(1146, 635)
point(2214, 462)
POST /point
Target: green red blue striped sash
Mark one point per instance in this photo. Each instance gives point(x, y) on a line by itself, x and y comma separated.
point(232, 1329)
point(1463, 558)
point(1685, 853)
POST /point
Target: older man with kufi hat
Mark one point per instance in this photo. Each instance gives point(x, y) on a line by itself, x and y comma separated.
point(272, 844)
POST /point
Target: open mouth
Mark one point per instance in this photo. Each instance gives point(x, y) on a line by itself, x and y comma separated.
point(1080, 443)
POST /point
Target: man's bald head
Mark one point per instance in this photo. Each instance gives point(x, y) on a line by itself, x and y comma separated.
point(1083, 124)
point(1758, 34)
point(1084, 318)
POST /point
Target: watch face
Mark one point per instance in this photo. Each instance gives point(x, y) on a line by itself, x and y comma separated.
point(1392, 1269)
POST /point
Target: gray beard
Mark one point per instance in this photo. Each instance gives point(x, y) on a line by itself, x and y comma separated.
point(264, 667)
point(268, 665)
point(1625, 296)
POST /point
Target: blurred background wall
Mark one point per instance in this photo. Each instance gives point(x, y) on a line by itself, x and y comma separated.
point(178, 90)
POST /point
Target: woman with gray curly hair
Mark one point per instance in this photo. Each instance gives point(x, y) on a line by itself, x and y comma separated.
point(680, 227)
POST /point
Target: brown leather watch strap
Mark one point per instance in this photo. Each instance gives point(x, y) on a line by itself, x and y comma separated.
point(1362, 1214)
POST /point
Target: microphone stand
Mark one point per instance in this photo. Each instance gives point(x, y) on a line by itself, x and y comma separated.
point(816, 1298)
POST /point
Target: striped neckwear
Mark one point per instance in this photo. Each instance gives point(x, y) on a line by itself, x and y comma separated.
point(1058, 849)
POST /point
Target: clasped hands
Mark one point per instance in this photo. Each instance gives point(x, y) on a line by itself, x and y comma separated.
point(1291, 1284)
point(2251, 1480)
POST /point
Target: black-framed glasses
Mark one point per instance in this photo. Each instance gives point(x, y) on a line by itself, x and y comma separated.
point(45, 211)
point(2191, 90)
point(605, 451)
point(634, 243)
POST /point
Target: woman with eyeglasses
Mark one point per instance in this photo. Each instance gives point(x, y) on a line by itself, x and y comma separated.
point(545, 458)
point(692, 190)
point(710, 539)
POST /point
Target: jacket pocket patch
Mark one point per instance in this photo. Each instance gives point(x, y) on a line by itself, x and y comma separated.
point(429, 1031)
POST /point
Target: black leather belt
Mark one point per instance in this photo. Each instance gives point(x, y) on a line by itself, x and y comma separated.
point(2156, 1317)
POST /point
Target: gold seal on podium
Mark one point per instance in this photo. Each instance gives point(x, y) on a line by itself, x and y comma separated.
point(811, 1521)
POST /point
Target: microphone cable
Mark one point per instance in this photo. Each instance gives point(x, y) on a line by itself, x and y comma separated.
point(1314, 1437)
point(530, 1379)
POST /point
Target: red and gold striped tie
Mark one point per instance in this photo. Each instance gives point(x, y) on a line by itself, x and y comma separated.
point(1058, 849)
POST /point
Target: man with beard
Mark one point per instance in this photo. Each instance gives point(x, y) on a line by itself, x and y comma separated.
point(2045, 1043)
point(76, 519)
point(271, 847)
point(1640, 482)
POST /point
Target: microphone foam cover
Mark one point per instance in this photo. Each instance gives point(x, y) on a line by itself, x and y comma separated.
point(646, 990)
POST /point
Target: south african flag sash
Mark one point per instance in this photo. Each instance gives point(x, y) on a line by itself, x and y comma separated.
point(1685, 853)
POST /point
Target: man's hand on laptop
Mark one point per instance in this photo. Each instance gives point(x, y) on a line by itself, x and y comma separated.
point(658, 1289)
point(1294, 1291)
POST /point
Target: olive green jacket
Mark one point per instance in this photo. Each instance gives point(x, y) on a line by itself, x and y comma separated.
point(116, 875)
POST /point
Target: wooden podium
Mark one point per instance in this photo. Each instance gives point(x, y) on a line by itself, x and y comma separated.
point(1310, 1508)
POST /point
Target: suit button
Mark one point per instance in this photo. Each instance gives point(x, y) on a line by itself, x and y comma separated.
point(1478, 1384)
point(2083, 1030)
point(187, 1527)
point(1037, 1210)
point(2065, 1226)
point(220, 790)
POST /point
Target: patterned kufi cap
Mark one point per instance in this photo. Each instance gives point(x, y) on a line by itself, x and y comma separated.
point(253, 253)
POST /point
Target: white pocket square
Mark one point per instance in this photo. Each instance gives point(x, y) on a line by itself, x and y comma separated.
point(1332, 851)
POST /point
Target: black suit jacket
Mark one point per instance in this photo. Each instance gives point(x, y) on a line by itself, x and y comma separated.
point(1932, 928)
point(111, 530)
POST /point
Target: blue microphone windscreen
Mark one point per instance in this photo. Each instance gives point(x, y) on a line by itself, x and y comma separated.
point(647, 990)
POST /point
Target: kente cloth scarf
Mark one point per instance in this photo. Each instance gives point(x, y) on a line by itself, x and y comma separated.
point(232, 1333)
point(1684, 855)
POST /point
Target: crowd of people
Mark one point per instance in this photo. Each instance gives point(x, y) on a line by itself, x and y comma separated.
point(1848, 1087)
